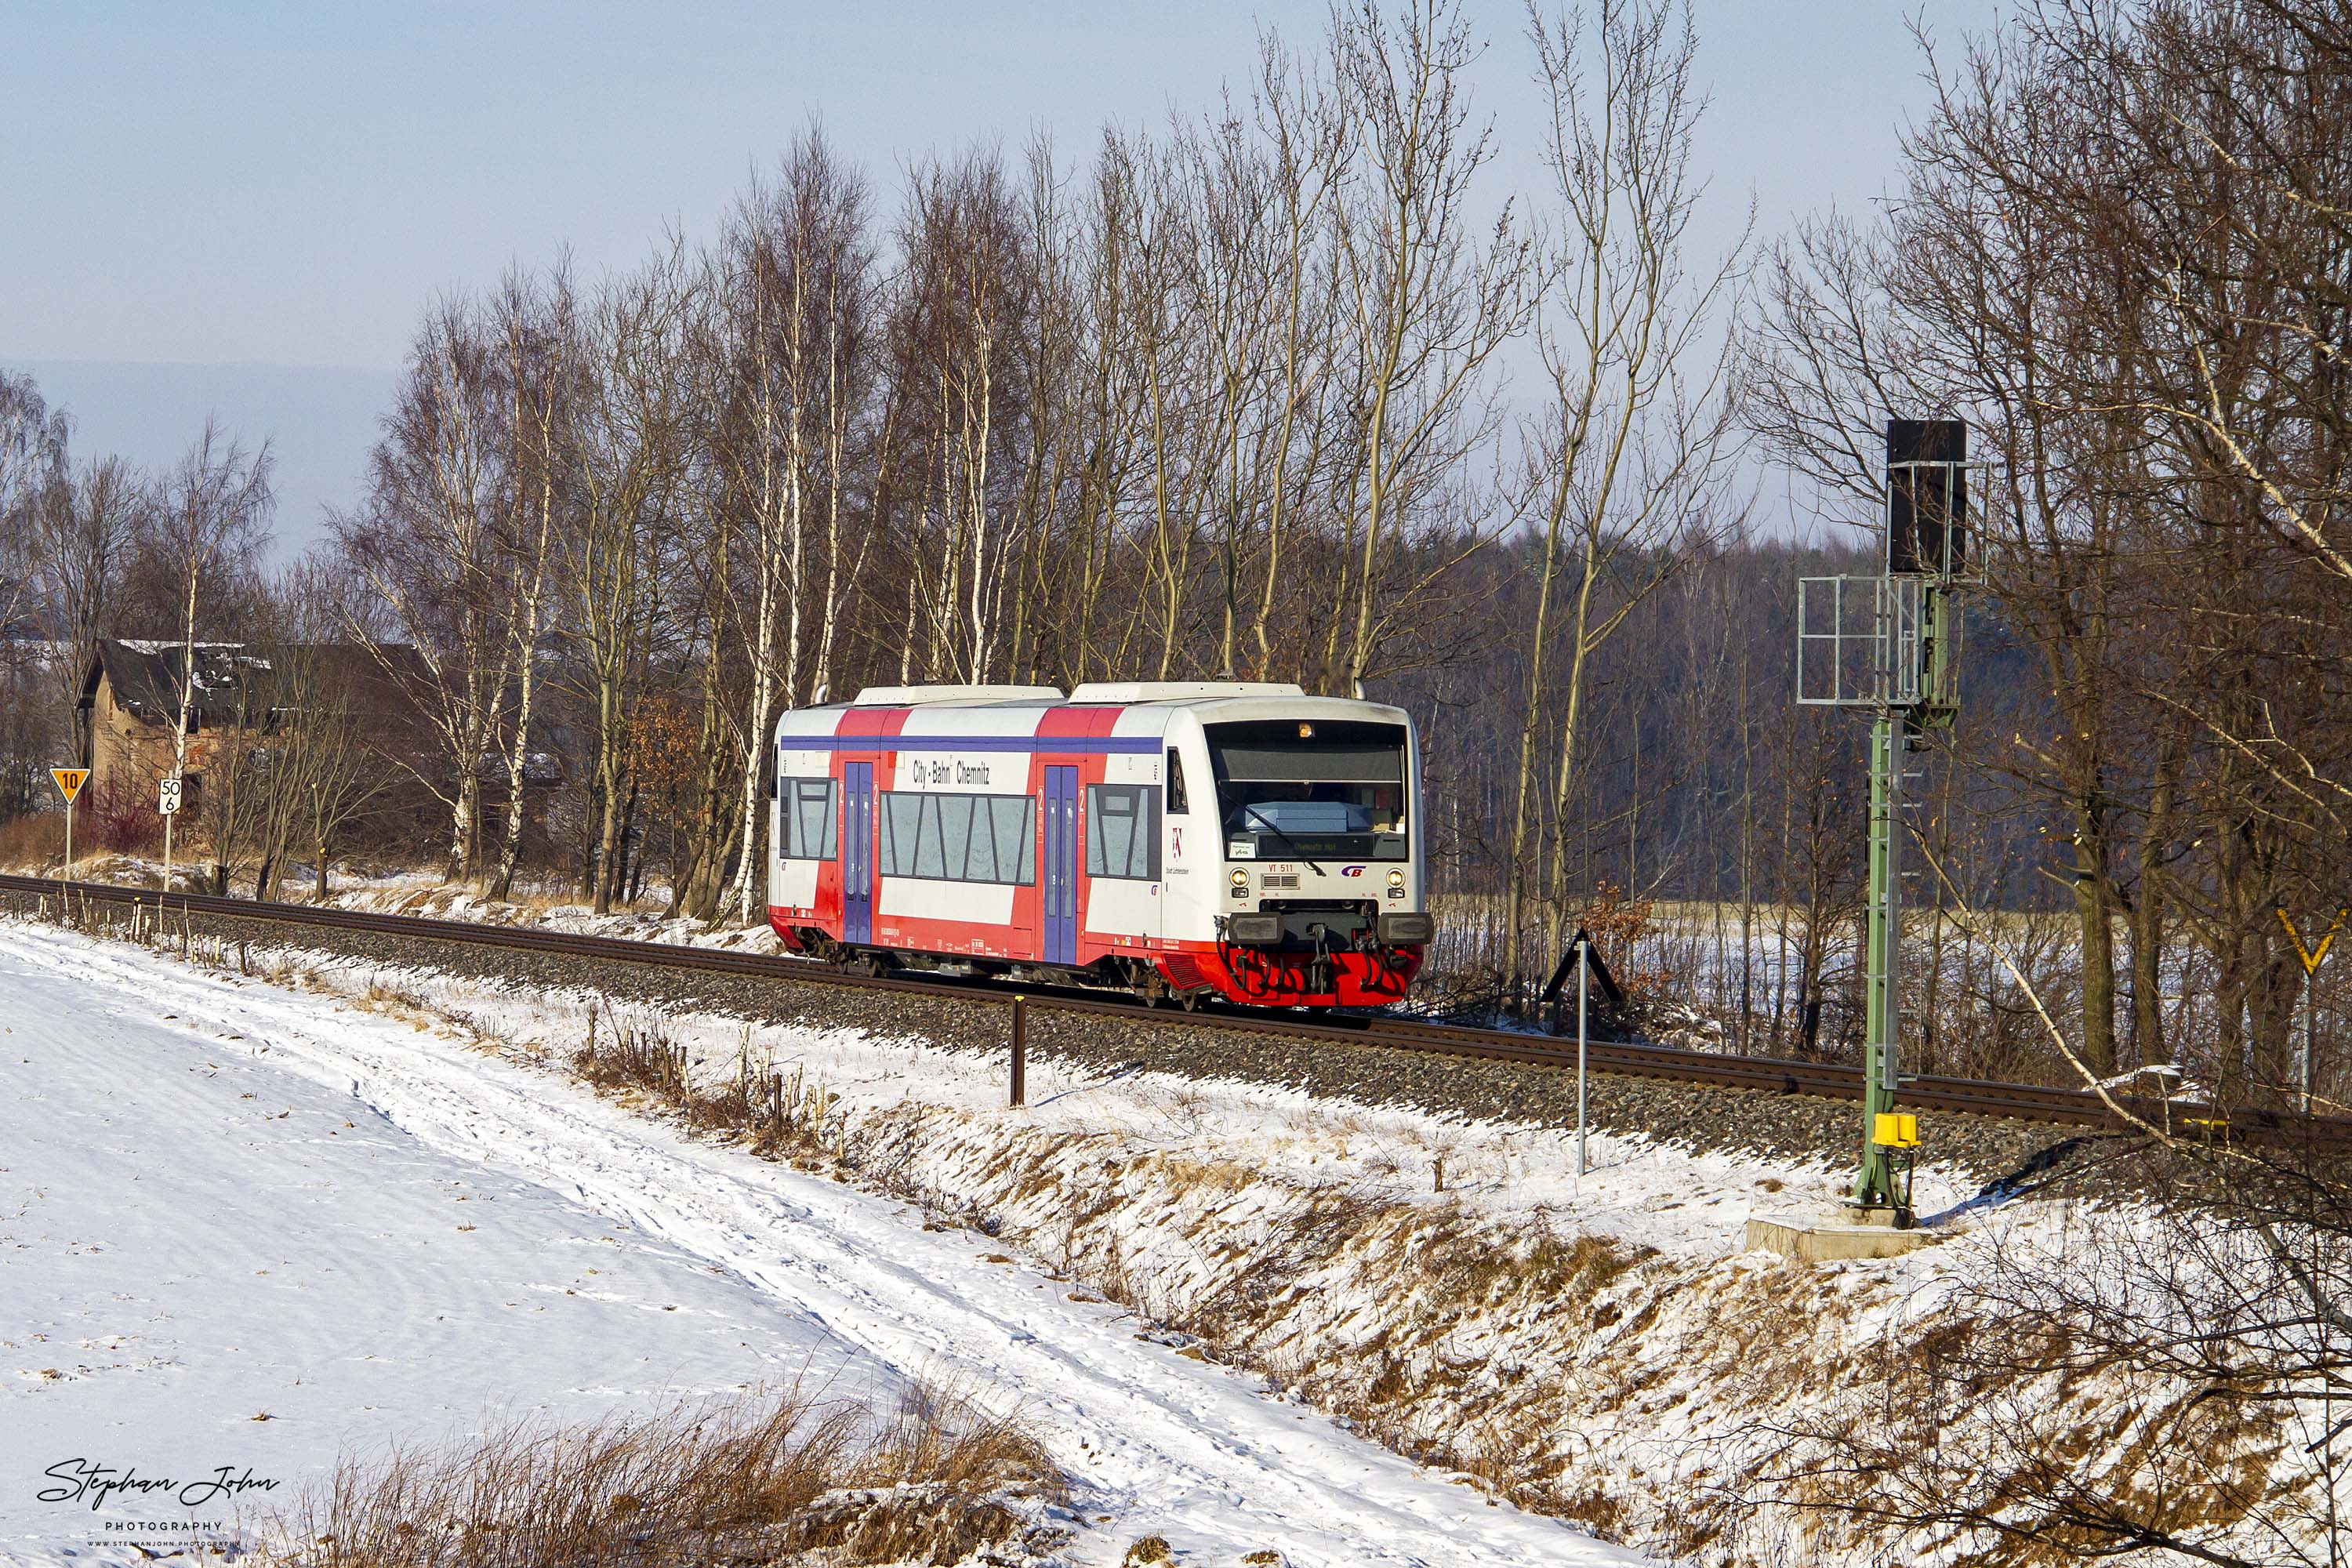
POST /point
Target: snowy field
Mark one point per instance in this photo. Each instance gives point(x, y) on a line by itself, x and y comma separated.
point(250, 1227)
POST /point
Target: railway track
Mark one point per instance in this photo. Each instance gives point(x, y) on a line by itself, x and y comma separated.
point(1767, 1075)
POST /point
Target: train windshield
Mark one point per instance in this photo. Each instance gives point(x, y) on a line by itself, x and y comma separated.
point(1293, 789)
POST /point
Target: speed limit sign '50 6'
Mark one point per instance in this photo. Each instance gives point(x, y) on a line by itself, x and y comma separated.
point(167, 796)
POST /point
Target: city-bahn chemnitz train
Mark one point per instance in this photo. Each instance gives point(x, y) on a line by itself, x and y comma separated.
point(1177, 839)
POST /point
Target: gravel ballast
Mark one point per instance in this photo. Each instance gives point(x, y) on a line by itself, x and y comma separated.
point(1995, 1150)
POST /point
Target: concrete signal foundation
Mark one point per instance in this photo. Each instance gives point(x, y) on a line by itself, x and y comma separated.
point(1818, 1241)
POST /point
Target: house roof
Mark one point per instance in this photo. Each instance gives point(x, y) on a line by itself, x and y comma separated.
point(146, 676)
point(382, 682)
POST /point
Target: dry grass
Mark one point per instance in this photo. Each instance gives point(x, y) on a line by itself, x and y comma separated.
point(633, 1054)
point(32, 846)
point(782, 1115)
point(794, 1478)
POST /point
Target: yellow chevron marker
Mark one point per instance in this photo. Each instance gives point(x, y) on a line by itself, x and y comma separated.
point(2313, 957)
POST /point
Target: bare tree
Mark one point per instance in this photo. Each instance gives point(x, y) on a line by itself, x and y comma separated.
point(82, 534)
point(32, 452)
point(538, 332)
point(1626, 461)
point(790, 296)
point(1430, 300)
point(427, 545)
point(210, 523)
point(629, 456)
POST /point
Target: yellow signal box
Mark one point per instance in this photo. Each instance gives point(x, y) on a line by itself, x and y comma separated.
point(1895, 1130)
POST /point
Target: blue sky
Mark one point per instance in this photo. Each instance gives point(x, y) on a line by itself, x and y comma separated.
point(263, 185)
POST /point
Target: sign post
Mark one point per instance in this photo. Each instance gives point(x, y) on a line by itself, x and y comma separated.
point(167, 805)
point(69, 783)
point(1583, 1007)
point(2312, 958)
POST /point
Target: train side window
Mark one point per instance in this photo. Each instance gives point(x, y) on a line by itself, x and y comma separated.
point(955, 834)
point(980, 859)
point(958, 837)
point(1176, 806)
point(1123, 832)
point(810, 818)
point(1017, 830)
point(902, 811)
point(931, 860)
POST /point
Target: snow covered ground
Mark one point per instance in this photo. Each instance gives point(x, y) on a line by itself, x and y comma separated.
point(223, 1200)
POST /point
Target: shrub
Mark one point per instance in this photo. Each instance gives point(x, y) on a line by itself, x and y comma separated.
point(118, 816)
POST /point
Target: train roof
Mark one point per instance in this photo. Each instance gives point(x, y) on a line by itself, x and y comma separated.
point(1021, 707)
point(1087, 694)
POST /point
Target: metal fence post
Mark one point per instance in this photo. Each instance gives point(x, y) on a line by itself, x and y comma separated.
point(1582, 995)
point(1020, 1051)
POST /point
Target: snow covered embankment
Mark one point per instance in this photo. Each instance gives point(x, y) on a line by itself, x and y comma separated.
point(1595, 1348)
point(1153, 1443)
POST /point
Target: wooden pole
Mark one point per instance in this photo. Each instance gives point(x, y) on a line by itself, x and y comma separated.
point(1020, 1051)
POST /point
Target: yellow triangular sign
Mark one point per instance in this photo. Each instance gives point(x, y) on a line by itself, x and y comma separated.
point(70, 781)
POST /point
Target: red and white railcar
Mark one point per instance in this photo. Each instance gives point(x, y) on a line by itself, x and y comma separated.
point(1182, 839)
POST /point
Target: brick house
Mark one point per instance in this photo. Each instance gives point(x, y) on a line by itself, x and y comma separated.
point(130, 693)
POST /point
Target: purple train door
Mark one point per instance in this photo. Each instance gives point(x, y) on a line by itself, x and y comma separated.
point(1060, 866)
point(858, 852)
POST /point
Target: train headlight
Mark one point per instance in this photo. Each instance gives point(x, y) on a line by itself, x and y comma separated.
point(1396, 880)
point(1241, 883)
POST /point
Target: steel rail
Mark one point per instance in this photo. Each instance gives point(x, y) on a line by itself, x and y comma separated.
point(1767, 1075)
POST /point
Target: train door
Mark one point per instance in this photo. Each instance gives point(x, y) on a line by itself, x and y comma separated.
point(858, 852)
point(1061, 934)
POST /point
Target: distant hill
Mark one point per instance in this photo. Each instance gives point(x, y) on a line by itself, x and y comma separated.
point(321, 421)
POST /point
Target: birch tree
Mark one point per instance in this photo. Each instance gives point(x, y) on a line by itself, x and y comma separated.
point(1626, 456)
point(538, 332)
point(629, 440)
point(790, 288)
point(426, 543)
point(1430, 299)
point(32, 451)
point(210, 524)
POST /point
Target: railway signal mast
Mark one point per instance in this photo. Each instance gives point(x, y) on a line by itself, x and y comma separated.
point(1889, 646)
